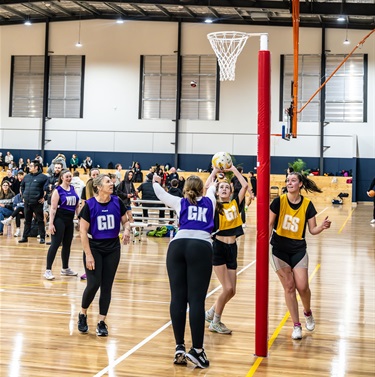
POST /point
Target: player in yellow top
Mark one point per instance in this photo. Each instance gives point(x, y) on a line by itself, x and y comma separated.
point(289, 215)
point(228, 226)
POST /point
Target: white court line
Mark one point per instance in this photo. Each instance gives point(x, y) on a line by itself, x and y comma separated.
point(154, 334)
point(318, 214)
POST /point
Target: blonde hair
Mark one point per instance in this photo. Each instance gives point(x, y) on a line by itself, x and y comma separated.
point(98, 181)
point(89, 185)
point(193, 188)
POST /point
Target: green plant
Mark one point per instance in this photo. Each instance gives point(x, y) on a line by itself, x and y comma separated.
point(299, 166)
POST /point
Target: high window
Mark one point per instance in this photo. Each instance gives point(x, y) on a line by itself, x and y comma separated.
point(65, 95)
point(345, 99)
point(198, 87)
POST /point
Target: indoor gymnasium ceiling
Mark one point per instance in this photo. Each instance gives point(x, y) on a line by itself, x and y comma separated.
point(357, 14)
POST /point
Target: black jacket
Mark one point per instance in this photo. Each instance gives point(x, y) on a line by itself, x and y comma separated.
point(32, 187)
point(148, 192)
point(124, 188)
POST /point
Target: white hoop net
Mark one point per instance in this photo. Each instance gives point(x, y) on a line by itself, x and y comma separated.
point(227, 46)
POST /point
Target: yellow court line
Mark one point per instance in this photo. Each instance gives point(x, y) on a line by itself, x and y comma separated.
point(276, 332)
point(347, 219)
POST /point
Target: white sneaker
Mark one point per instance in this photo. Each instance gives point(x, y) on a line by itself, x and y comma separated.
point(48, 275)
point(219, 327)
point(297, 332)
point(68, 272)
point(208, 317)
point(310, 323)
point(18, 232)
point(9, 219)
point(371, 222)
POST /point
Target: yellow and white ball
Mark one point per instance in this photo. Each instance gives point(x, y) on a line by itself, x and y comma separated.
point(222, 160)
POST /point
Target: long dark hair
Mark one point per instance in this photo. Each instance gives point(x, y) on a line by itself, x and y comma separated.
point(307, 184)
point(219, 204)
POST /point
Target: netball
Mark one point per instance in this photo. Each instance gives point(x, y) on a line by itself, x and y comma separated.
point(222, 160)
point(371, 193)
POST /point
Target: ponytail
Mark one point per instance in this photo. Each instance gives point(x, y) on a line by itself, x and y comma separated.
point(307, 184)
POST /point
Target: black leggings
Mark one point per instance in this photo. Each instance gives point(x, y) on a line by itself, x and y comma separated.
point(17, 213)
point(64, 229)
point(189, 265)
point(102, 277)
point(29, 210)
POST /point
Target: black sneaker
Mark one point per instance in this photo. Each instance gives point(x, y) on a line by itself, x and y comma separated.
point(82, 323)
point(42, 240)
point(180, 355)
point(23, 240)
point(102, 329)
point(199, 359)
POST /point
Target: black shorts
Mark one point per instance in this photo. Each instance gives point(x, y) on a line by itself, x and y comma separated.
point(298, 259)
point(225, 254)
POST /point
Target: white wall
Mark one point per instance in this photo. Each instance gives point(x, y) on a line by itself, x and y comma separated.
point(112, 91)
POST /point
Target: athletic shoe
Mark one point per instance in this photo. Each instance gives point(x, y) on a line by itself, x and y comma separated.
point(219, 327)
point(68, 272)
point(372, 221)
point(48, 275)
point(42, 241)
point(180, 355)
point(82, 323)
point(310, 323)
point(17, 233)
point(23, 240)
point(83, 277)
point(199, 359)
point(7, 221)
point(297, 332)
point(208, 317)
point(102, 329)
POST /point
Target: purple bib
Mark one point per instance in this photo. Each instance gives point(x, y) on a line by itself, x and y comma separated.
point(68, 199)
point(197, 217)
point(105, 219)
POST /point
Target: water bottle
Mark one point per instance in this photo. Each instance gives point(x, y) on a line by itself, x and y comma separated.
point(9, 230)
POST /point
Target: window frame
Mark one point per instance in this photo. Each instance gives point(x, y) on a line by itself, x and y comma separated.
point(186, 79)
point(283, 89)
point(41, 73)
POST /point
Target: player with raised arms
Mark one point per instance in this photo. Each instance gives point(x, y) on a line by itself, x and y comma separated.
point(228, 226)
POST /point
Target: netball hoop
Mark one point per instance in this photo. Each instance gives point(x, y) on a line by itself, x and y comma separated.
point(227, 46)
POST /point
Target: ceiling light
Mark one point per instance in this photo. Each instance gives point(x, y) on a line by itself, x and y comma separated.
point(79, 44)
point(346, 41)
point(208, 21)
point(119, 21)
point(27, 22)
point(341, 18)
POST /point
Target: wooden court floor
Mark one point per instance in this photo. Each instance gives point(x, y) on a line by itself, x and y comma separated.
point(38, 317)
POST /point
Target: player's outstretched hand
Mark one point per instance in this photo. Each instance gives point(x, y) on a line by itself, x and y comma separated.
point(326, 224)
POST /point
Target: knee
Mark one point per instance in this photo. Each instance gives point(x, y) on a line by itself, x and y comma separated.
point(290, 287)
point(304, 290)
point(229, 291)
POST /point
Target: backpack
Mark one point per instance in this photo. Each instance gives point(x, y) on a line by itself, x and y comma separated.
point(160, 231)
